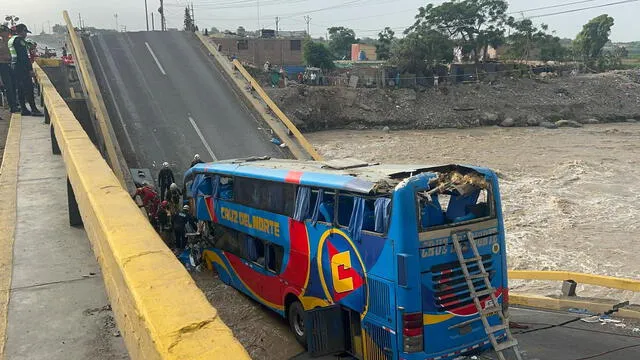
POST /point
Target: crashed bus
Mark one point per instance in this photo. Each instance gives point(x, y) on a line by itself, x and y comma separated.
point(361, 258)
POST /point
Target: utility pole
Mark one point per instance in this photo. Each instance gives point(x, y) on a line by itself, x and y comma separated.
point(277, 21)
point(116, 17)
point(193, 17)
point(153, 23)
point(258, 7)
point(161, 11)
point(146, 14)
point(79, 20)
point(307, 19)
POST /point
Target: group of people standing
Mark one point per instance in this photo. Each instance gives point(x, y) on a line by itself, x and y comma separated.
point(16, 69)
point(164, 206)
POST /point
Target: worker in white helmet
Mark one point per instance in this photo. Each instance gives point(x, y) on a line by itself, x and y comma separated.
point(165, 179)
point(196, 160)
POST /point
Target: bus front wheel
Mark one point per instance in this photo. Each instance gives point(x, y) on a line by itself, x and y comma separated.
point(296, 322)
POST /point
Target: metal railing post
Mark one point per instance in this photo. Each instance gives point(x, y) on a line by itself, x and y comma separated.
point(55, 148)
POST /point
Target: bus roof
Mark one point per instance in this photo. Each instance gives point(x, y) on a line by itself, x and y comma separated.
point(344, 174)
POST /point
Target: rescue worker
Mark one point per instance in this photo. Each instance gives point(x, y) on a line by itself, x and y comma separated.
point(196, 160)
point(165, 179)
point(163, 216)
point(6, 73)
point(150, 199)
point(23, 70)
point(180, 221)
point(173, 195)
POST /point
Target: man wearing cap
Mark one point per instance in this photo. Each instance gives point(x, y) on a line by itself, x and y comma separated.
point(22, 70)
point(6, 76)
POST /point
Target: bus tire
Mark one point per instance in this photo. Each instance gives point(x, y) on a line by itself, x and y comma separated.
point(295, 315)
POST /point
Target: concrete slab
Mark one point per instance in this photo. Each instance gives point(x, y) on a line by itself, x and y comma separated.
point(58, 307)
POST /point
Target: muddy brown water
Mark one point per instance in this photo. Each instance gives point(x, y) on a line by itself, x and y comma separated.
point(571, 201)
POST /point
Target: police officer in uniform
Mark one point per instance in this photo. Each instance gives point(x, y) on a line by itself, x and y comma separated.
point(22, 70)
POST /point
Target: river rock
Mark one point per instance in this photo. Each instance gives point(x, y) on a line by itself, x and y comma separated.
point(548, 125)
point(568, 123)
point(489, 119)
point(508, 122)
point(534, 120)
point(590, 121)
point(632, 121)
point(386, 129)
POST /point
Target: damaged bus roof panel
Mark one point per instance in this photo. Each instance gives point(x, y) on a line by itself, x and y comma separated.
point(345, 174)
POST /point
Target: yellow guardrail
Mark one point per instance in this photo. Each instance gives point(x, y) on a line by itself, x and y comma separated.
point(159, 310)
point(304, 143)
point(8, 194)
point(96, 103)
point(590, 279)
point(566, 302)
point(276, 110)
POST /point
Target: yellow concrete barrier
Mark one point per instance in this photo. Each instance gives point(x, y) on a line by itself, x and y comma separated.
point(276, 110)
point(565, 303)
point(159, 310)
point(49, 62)
point(96, 104)
point(8, 194)
point(581, 278)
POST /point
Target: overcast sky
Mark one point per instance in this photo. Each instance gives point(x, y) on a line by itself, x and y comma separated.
point(366, 17)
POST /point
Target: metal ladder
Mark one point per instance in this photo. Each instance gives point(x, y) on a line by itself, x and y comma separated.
point(495, 309)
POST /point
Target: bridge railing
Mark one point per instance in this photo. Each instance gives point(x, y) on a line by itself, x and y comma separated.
point(572, 301)
point(255, 86)
point(159, 310)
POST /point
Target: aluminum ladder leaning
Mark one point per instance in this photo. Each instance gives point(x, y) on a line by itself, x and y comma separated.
point(495, 309)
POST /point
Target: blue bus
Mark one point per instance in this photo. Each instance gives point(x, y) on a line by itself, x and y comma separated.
point(357, 257)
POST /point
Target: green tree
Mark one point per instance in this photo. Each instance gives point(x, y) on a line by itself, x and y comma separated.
point(473, 25)
point(340, 40)
point(316, 54)
point(59, 29)
point(421, 50)
point(383, 46)
point(188, 20)
point(594, 35)
point(241, 31)
point(214, 30)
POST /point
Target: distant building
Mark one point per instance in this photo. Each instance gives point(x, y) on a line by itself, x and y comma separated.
point(257, 51)
point(363, 52)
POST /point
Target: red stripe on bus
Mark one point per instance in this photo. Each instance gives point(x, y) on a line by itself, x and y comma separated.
point(293, 177)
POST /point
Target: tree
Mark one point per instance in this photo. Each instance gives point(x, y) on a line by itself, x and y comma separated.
point(188, 20)
point(421, 50)
point(473, 25)
point(383, 46)
point(340, 41)
point(241, 31)
point(594, 35)
point(59, 29)
point(316, 54)
point(214, 30)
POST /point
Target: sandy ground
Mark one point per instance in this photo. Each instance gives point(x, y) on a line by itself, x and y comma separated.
point(261, 331)
point(570, 196)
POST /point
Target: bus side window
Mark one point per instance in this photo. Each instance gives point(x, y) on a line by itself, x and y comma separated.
point(326, 206)
point(254, 249)
point(228, 240)
point(225, 188)
point(275, 254)
point(345, 211)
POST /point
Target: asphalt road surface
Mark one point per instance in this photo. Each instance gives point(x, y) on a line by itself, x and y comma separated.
point(167, 101)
